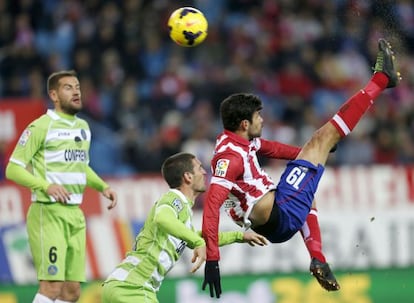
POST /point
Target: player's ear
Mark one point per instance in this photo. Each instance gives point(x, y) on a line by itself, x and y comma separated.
point(53, 95)
point(244, 124)
point(188, 177)
point(50, 93)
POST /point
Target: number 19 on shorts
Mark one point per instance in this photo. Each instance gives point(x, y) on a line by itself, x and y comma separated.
point(296, 176)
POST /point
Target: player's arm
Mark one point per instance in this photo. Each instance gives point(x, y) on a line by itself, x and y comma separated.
point(96, 182)
point(22, 176)
point(230, 237)
point(216, 195)
point(278, 150)
point(167, 219)
point(29, 143)
point(226, 169)
point(252, 238)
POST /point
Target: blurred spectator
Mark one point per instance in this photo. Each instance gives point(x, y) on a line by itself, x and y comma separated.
point(92, 105)
point(152, 98)
point(134, 122)
point(200, 132)
point(3, 161)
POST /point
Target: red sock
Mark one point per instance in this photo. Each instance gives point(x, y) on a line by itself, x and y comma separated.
point(311, 234)
point(352, 110)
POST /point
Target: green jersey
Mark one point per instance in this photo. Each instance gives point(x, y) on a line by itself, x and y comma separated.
point(56, 149)
point(160, 243)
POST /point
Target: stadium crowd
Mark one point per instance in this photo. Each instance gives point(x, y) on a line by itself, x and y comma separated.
point(147, 98)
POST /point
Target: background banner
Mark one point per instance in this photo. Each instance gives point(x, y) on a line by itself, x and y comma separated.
point(15, 115)
point(367, 222)
point(371, 286)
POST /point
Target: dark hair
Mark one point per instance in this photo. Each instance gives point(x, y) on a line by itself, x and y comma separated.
point(238, 107)
point(53, 79)
point(175, 166)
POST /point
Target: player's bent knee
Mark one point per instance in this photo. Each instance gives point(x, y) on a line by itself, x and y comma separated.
point(70, 291)
point(51, 289)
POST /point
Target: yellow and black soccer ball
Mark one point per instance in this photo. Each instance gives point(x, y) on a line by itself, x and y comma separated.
point(188, 26)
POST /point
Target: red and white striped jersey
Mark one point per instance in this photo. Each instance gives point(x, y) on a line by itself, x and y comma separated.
point(238, 181)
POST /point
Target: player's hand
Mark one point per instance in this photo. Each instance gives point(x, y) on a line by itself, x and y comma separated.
point(212, 278)
point(254, 239)
point(199, 256)
point(58, 192)
point(110, 194)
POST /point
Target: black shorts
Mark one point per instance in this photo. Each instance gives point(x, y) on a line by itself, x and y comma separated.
point(271, 226)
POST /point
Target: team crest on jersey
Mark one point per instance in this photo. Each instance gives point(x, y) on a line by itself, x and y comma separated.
point(52, 270)
point(83, 134)
point(24, 137)
point(178, 205)
point(221, 167)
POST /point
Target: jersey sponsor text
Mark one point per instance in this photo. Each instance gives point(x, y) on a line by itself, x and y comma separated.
point(72, 155)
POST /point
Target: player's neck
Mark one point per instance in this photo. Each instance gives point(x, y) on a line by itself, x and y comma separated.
point(189, 193)
point(242, 134)
point(64, 115)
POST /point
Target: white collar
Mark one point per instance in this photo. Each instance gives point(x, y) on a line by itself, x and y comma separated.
point(51, 113)
point(181, 195)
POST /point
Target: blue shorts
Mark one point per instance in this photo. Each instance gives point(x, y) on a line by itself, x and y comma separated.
point(294, 196)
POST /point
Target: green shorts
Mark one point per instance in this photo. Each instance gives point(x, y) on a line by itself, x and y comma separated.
point(57, 238)
point(121, 292)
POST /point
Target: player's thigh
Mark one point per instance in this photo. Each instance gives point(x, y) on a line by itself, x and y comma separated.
point(57, 241)
point(295, 195)
point(76, 248)
point(317, 149)
point(120, 292)
point(46, 240)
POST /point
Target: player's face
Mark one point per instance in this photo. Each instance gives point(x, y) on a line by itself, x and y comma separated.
point(199, 179)
point(67, 97)
point(255, 127)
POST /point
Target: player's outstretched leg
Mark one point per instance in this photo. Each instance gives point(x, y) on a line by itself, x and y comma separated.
point(311, 235)
point(385, 75)
point(322, 272)
point(386, 63)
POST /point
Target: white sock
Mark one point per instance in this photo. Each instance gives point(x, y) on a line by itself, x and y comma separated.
point(60, 301)
point(39, 298)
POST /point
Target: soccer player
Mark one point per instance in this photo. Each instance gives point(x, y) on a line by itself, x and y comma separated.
point(51, 158)
point(168, 229)
point(252, 198)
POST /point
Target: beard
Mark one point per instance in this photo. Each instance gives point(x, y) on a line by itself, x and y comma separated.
point(69, 109)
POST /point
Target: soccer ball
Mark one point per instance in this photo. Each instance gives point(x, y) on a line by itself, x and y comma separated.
point(188, 26)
